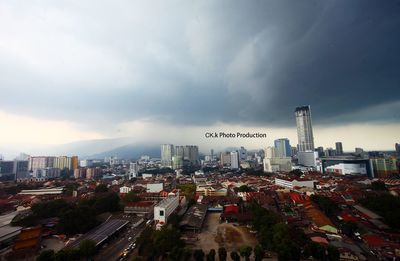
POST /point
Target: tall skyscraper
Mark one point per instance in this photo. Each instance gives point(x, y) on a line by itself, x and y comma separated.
point(191, 153)
point(270, 153)
point(397, 147)
point(74, 162)
point(63, 162)
point(225, 159)
point(41, 162)
point(339, 148)
point(133, 170)
point(320, 151)
point(304, 128)
point(282, 148)
point(180, 151)
point(167, 151)
point(242, 153)
point(234, 160)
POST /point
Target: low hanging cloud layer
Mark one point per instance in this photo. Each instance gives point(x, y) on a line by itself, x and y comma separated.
point(202, 63)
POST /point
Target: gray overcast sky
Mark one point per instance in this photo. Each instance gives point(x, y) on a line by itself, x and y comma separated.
point(76, 70)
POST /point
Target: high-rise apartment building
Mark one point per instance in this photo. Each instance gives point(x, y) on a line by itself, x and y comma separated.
point(294, 151)
point(63, 162)
point(225, 159)
point(304, 128)
point(167, 151)
point(41, 162)
point(21, 168)
point(74, 162)
point(273, 161)
point(191, 153)
point(339, 148)
point(282, 148)
point(234, 160)
point(270, 153)
point(329, 152)
point(320, 151)
point(133, 170)
point(242, 153)
point(180, 151)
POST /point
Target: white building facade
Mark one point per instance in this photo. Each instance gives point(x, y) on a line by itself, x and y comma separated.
point(164, 209)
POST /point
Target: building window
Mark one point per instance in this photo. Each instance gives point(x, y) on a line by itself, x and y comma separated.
point(161, 213)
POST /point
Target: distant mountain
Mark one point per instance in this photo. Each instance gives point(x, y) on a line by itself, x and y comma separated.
point(120, 147)
point(123, 148)
point(88, 147)
point(130, 151)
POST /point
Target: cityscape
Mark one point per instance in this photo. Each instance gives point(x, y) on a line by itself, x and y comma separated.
point(171, 130)
point(329, 204)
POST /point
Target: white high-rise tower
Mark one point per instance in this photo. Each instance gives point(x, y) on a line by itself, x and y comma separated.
point(304, 128)
point(167, 151)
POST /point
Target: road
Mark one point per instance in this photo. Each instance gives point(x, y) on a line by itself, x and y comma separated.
point(115, 247)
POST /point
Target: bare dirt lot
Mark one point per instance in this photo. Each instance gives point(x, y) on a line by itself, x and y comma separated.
point(215, 235)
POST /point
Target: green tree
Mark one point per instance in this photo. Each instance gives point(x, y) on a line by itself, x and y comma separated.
point(47, 255)
point(176, 254)
point(107, 203)
point(101, 188)
point(326, 204)
point(87, 248)
point(77, 220)
point(198, 255)
point(349, 228)
point(333, 253)
point(174, 220)
point(315, 250)
point(235, 256)
point(131, 197)
point(222, 254)
point(50, 208)
point(211, 255)
point(165, 240)
point(187, 254)
point(245, 251)
point(386, 205)
point(189, 190)
point(244, 188)
point(287, 250)
point(378, 185)
point(67, 255)
point(296, 172)
point(258, 253)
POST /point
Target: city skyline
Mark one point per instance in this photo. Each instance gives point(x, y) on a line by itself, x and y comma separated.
point(71, 72)
point(200, 130)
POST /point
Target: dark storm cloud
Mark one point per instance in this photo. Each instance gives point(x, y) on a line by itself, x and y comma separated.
point(231, 61)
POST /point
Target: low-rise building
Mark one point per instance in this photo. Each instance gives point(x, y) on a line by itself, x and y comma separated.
point(154, 187)
point(384, 167)
point(164, 209)
point(277, 164)
point(292, 182)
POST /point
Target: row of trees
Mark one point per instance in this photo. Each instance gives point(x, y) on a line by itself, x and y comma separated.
point(326, 204)
point(288, 243)
point(86, 250)
point(386, 205)
point(245, 252)
point(186, 254)
point(74, 217)
point(189, 190)
point(165, 243)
